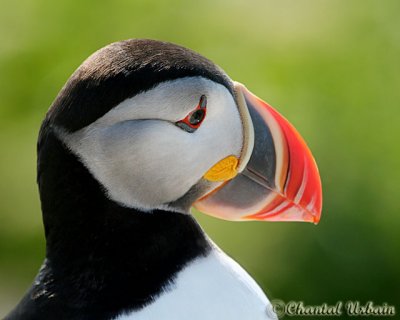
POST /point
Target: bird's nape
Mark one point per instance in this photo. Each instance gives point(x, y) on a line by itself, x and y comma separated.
point(142, 131)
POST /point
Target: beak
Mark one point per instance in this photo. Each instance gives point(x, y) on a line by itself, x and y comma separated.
point(277, 178)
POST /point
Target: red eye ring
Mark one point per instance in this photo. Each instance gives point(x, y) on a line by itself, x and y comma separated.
point(195, 118)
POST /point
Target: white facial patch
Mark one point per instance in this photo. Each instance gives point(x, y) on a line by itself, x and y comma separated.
point(142, 158)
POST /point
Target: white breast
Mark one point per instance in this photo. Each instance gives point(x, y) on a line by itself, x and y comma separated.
point(210, 288)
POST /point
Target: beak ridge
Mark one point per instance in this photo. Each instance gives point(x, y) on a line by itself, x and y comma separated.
point(278, 179)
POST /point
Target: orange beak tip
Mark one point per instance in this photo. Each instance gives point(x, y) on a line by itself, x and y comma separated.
point(279, 179)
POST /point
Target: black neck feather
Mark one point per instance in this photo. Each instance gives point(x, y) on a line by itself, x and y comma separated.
point(101, 258)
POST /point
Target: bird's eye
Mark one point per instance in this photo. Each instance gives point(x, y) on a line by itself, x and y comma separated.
point(194, 119)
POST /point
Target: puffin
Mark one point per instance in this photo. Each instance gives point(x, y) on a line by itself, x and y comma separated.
point(142, 132)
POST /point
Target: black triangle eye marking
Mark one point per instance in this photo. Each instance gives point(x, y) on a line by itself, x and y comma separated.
point(195, 118)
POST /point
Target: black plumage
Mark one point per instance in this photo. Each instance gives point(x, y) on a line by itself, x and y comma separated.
point(101, 258)
point(122, 70)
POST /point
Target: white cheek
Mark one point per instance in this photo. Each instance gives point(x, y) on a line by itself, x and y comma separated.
point(145, 166)
point(148, 163)
point(221, 132)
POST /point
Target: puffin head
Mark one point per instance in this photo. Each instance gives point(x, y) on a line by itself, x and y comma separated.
point(161, 127)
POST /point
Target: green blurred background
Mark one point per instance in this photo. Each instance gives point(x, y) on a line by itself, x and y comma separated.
point(331, 67)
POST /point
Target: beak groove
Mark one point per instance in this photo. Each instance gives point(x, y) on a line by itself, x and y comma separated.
point(278, 178)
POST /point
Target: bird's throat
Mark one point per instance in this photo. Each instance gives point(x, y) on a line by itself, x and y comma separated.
point(98, 250)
